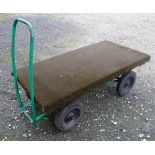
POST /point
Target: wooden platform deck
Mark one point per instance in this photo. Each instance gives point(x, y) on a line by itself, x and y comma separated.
point(65, 77)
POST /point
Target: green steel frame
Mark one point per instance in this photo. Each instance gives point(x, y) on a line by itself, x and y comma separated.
point(23, 106)
point(30, 103)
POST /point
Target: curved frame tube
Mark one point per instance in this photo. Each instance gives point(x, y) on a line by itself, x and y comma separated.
point(31, 80)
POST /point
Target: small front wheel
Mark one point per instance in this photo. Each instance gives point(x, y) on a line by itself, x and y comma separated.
point(125, 83)
point(68, 117)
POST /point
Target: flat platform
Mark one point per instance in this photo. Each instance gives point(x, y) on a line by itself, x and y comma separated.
point(65, 77)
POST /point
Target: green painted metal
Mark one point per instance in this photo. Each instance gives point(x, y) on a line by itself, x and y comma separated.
point(41, 117)
point(28, 116)
point(34, 118)
point(111, 83)
point(26, 105)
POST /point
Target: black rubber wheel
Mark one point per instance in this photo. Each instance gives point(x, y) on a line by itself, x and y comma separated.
point(125, 83)
point(68, 117)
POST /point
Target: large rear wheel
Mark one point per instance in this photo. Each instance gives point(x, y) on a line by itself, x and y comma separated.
point(69, 116)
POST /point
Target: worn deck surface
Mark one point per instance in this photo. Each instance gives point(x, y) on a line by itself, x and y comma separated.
point(64, 77)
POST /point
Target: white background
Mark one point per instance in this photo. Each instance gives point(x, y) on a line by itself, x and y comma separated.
point(78, 6)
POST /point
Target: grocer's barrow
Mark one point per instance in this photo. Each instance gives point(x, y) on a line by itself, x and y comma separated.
point(54, 85)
